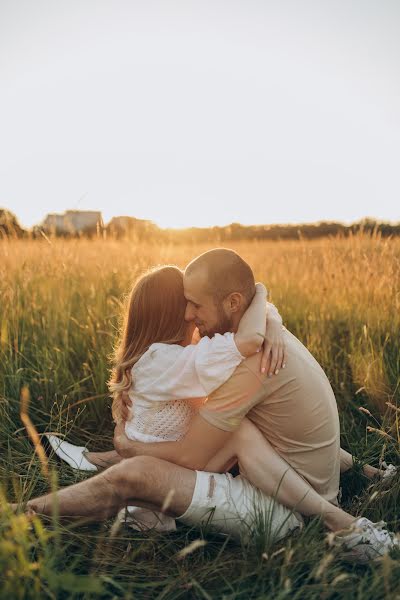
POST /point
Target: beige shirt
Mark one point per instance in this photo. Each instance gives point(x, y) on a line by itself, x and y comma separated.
point(295, 410)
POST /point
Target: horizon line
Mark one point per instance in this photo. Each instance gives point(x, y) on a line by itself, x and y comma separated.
point(365, 218)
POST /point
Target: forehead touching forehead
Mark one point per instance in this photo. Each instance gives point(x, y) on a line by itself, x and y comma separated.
point(217, 273)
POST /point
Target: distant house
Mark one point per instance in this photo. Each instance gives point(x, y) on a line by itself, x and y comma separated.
point(79, 220)
point(73, 222)
point(131, 227)
point(54, 223)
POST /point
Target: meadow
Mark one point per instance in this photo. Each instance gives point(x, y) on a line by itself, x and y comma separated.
point(60, 302)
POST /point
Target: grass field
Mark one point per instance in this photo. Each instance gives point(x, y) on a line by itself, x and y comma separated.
point(59, 307)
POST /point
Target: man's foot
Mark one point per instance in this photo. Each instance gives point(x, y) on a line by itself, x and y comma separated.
point(366, 541)
point(29, 512)
point(73, 455)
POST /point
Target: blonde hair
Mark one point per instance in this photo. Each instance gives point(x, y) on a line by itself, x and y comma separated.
point(154, 312)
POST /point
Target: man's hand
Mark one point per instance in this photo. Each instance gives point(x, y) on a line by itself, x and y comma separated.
point(274, 349)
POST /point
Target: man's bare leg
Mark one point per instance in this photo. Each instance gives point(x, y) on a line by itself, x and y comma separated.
point(142, 481)
point(261, 464)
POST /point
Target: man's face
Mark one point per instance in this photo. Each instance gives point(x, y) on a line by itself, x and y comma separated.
point(209, 317)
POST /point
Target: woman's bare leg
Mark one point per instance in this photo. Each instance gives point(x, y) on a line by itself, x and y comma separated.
point(108, 458)
point(103, 459)
point(266, 469)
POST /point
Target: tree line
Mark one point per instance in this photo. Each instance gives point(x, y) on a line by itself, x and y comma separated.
point(141, 230)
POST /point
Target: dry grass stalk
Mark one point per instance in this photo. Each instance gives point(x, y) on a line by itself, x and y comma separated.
point(31, 430)
point(195, 545)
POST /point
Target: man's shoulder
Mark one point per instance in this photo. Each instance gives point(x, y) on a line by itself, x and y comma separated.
point(250, 367)
point(246, 377)
point(227, 405)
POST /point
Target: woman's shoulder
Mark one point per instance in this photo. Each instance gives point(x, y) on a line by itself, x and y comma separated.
point(217, 344)
point(158, 352)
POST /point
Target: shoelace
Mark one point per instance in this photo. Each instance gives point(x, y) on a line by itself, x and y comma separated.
point(390, 471)
point(378, 532)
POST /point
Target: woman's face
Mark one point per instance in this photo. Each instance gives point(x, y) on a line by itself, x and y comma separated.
point(190, 329)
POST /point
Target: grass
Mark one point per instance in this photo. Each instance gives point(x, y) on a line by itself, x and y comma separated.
point(59, 308)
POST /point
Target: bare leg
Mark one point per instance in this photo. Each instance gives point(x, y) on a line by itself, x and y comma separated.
point(266, 469)
point(225, 460)
point(142, 481)
point(111, 457)
point(346, 463)
point(103, 459)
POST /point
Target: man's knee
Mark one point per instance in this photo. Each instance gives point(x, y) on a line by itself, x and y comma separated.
point(131, 474)
point(245, 433)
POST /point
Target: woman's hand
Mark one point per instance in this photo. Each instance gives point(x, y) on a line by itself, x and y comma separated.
point(126, 404)
point(122, 444)
point(274, 349)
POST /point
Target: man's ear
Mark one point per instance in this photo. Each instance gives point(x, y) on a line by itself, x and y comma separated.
point(235, 302)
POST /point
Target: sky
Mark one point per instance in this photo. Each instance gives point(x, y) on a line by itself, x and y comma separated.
point(199, 113)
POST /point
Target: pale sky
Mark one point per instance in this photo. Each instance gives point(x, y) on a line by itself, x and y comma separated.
point(201, 112)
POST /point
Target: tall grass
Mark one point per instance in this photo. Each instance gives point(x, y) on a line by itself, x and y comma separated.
point(60, 303)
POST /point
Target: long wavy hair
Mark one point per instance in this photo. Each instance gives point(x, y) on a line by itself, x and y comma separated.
point(154, 312)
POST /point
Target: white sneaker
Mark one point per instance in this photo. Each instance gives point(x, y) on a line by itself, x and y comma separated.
point(144, 519)
point(388, 474)
point(73, 455)
point(366, 541)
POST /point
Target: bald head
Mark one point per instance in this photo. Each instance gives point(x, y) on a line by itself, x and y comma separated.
point(224, 272)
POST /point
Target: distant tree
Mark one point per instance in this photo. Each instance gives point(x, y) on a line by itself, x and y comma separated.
point(9, 226)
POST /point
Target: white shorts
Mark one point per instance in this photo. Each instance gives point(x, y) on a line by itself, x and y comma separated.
point(232, 505)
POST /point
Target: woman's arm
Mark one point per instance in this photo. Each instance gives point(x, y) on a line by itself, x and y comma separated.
point(273, 314)
point(250, 334)
point(274, 354)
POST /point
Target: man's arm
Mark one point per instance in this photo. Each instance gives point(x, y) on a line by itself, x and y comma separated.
point(194, 451)
point(209, 430)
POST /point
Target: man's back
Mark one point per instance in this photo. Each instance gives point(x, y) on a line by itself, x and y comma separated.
point(295, 410)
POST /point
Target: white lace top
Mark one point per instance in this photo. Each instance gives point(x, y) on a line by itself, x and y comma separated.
point(168, 375)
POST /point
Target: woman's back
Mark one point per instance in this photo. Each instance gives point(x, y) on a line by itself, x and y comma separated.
point(170, 381)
